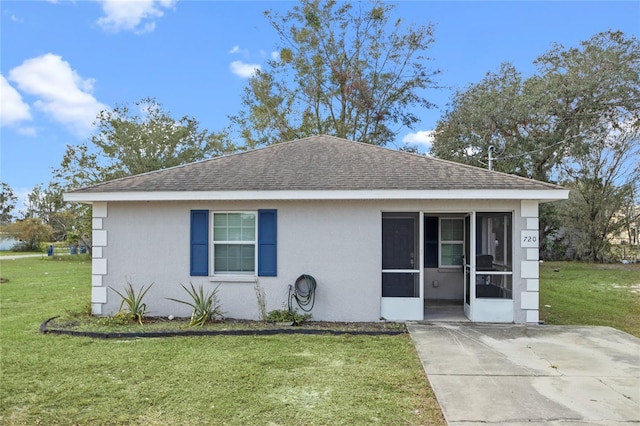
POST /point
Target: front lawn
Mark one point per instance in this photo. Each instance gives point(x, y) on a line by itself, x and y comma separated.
point(283, 379)
point(591, 294)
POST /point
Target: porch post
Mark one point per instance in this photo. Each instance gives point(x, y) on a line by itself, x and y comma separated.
point(421, 257)
point(472, 262)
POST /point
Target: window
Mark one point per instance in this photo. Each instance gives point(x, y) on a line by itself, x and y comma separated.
point(234, 243)
point(451, 242)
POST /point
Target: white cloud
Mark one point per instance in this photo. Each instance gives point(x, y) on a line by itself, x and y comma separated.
point(242, 69)
point(12, 108)
point(132, 15)
point(61, 93)
point(237, 50)
point(28, 131)
point(16, 19)
point(421, 137)
point(275, 55)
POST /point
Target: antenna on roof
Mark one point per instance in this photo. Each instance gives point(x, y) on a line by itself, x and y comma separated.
point(491, 148)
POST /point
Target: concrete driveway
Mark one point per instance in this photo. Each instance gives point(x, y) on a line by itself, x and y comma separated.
point(516, 375)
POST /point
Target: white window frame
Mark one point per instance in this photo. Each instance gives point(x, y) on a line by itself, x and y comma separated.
point(441, 241)
point(212, 254)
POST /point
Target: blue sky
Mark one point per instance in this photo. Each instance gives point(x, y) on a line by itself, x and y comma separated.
point(63, 61)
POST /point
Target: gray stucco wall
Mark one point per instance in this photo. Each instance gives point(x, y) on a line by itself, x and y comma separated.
point(337, 242)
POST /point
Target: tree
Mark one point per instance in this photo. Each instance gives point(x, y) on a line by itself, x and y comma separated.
point(514, 116)
point(128, 143)
point(47, 205)
point(556, 125)
point(603, 183)
point(343, 69)
point(31, 232)
point(537, 124)
point(7, 203)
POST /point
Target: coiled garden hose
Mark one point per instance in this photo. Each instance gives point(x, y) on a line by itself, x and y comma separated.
point(304, 293)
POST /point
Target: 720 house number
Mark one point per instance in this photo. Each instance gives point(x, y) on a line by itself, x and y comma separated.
point(529, 239)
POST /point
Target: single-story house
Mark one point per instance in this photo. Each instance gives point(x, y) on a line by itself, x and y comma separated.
point(383, 233)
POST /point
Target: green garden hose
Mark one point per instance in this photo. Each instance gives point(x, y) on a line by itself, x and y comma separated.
point(304, 292)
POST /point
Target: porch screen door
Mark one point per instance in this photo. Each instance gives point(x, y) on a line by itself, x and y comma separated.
point(469, 264)
point(400, 255)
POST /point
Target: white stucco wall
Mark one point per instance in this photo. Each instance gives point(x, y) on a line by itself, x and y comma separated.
point(337, 242)
point(443, 284)
point(149, 242)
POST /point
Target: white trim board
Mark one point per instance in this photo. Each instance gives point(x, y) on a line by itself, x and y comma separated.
point(459, 194)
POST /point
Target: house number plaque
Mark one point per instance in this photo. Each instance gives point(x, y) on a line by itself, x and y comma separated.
point(528, 239)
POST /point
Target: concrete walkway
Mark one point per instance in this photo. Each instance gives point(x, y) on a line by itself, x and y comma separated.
point(517, 375)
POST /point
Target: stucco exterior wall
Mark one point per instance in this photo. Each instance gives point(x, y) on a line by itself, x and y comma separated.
point(337, 242)
point(443, 284)
point(149, 242)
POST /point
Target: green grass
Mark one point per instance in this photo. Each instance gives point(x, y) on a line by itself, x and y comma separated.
point(591, 294)
point(20, 253)
point(292, 379)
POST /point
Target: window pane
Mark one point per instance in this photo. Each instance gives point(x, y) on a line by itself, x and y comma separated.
point(248, 227)
point(248, 259)
point(234, 219)
point(496, 238)
point(220, 258)
point(400, 284)
point(234, 227)
point(494, 286)
point(451, 254)
point(452, 229)
point(234, 258)
point(220, 227)
point(220, 219)
point(234, 233)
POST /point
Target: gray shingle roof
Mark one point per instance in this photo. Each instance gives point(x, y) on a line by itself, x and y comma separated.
point(319, 163)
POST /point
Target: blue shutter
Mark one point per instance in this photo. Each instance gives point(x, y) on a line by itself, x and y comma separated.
point(199, 243)
point(267, 243)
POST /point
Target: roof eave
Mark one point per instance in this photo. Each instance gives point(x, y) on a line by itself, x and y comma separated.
point(454, 194)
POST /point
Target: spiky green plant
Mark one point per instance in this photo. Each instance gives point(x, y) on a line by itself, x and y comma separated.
point(133, 302)
point(206, 307)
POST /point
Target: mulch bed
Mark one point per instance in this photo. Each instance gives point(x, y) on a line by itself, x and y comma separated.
point(236, 328)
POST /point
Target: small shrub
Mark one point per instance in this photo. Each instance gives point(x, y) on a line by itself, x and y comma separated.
point(285, 315)
point(120, 318)
point(133, 302)
point(262, 301)
point(206, 307)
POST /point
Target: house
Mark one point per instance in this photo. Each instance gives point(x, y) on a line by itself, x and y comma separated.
point(381, 231)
